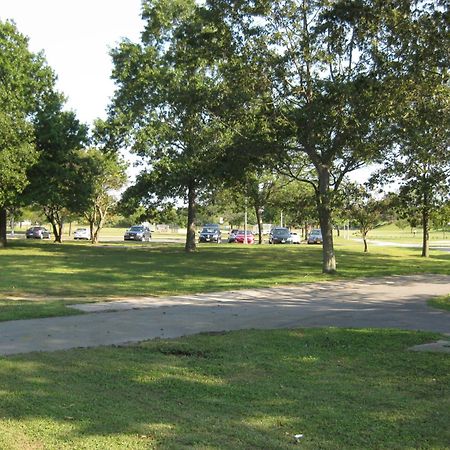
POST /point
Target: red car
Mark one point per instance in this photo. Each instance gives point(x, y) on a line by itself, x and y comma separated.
point(240, 236)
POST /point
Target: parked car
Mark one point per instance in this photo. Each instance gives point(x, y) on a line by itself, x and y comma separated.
point(240, 237)
point(210, 233)
point(279, 235)
point(138, 233)
point(315, 237)
point(37, 233)
point(294, 238)
point(232, 235)
point(82, 233)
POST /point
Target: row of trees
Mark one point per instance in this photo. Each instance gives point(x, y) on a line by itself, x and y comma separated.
point(221, 93)
point(45, 154)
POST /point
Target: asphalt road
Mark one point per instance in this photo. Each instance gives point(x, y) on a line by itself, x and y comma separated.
point(391, 302)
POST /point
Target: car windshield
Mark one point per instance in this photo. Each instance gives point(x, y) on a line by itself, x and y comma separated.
point(281, 232)
point(243, 232)
point(316, 232)
point(81, 230)
point(137, 228)
point(209, 230)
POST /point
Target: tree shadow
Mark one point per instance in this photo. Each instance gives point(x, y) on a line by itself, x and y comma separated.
point(340, 388)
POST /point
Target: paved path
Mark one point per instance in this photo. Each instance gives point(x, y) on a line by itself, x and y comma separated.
point(391, 302)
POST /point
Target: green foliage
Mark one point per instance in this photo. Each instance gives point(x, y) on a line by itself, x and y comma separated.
point(101, 174)
point(364, 210)
point(163, 101)
point(55, 181)
point(24, 80)
point(420, 120)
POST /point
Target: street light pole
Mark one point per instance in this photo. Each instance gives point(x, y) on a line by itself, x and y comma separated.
point(245, 223)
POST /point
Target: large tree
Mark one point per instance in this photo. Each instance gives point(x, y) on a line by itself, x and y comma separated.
point(163, 102)
point(25, 82)
point(419, 69)
point(324, 90)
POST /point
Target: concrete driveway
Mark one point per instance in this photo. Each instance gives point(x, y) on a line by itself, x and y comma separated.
point(391, 302)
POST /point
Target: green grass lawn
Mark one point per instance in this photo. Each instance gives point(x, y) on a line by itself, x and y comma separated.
point(341, 389)
point(56, 274)
point(440, 302)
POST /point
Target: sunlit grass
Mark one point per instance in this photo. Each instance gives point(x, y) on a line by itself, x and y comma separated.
point(440, 302)
point(341, 389)
point(78, 270)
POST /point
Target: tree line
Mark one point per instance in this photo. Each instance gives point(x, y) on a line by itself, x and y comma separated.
point(228, 95)
point(47, 157)
point(221, 93)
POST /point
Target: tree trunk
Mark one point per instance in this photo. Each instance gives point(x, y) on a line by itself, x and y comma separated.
point(3, 240)
point(426, 233)
point(60, 231)
point(258, 219)
point(324, 209)
point(366, 248)
point(57, 229)
point(91, 230)
point(190, 234)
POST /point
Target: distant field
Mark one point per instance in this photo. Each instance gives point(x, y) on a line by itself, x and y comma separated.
point(406, 235)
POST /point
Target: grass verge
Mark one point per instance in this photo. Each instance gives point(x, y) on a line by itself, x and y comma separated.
point(440, 302)
point(341, 389)
point(22, 309)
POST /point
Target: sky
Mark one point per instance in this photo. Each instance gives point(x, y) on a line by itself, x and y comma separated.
point(76, 36)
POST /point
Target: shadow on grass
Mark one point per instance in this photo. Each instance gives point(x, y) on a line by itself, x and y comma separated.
point(42, 268)
point(342, 389)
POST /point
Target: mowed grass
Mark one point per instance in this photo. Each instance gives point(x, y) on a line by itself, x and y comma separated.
point(43, 269)
point(440, 302)
point(341, 389)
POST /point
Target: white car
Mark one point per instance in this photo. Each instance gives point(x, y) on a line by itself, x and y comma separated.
point(295, 238)
point(82, 233)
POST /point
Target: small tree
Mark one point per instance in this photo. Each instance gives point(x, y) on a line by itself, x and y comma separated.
point(103, 174)
point(55, 180)
point(365, 211)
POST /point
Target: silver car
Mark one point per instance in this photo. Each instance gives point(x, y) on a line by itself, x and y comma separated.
point(138, 233)
point(37, 233)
